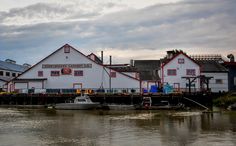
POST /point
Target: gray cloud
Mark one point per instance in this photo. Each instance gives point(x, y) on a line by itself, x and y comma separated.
point(187, 24)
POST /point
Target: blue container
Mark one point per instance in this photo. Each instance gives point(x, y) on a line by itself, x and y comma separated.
point(145, 91)
point(154, 89)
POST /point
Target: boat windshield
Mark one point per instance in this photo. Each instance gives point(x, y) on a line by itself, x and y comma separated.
point(81, 100)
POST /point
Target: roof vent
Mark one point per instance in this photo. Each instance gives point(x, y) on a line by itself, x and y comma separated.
point(231, 57)
point(10, 61)
point(27, 65)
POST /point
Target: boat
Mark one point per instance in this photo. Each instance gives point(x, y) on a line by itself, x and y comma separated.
point(148, 105)
point(232, 107)
point(120, 107)
point(82, 102)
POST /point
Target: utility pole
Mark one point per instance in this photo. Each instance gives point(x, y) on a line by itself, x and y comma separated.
point(110, 75)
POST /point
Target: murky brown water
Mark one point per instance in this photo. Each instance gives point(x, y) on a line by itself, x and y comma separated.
point(21, 127)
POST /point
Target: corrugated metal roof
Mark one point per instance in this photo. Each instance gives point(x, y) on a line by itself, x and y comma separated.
point(148, 69)
point(211, 66)
point(12, 67)
point(6, 79)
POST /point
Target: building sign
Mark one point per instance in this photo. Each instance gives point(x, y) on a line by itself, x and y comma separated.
point(66, 71)
point(67, 66)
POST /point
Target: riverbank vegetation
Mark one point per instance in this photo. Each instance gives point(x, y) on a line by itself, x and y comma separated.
point(225, 100)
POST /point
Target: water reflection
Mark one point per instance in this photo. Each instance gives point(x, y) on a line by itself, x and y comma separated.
point(122, 128)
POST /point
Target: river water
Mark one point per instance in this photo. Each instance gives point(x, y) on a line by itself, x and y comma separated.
point(24, 127)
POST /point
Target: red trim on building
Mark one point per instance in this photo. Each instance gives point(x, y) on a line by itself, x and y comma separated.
point(181, 60)
point(78, 73)
point(113, 74)
point(178, 55)
point(169, 72)
point(79, 53)
point(162, 74)
point(55, 73)
point(40, 73)
point(77, 84)
point(188, 72)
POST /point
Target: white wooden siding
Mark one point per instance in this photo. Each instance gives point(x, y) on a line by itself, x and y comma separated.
point(180, 71)
point(92, 77)
point(218, 87)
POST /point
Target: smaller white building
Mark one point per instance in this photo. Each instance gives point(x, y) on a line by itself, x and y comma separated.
point(178, 66)
point(219, 74)
point(9, 69)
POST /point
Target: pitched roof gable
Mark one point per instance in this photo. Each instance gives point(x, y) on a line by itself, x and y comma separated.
point(67, 45)
point(177, 56)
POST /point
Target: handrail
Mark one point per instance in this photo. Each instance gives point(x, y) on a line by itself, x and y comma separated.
point(196, 103)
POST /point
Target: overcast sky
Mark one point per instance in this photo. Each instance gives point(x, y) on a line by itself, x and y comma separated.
point(126, 29)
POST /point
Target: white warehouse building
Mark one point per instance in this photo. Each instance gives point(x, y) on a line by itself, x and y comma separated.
point(177, 68)
point(67, 68)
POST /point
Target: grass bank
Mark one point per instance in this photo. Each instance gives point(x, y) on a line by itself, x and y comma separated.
point(225, 100)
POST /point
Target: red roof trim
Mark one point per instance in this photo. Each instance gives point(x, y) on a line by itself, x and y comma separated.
point(230, 63)
point(76, 51)
point(178, 55)
point(103, 65)
point(116, 65)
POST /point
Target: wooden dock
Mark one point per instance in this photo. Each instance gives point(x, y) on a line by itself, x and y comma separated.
point(134, 99)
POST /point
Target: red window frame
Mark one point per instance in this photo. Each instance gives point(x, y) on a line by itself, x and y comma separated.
point(40, 73)
point(191, 72)
point(169, 72)
point(55, 73)
point(78, 73)
point(67, 49)
point(181, 60)
point(113, 74)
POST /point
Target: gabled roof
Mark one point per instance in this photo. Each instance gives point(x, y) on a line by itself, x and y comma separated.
point(166, 62)
point(97, 59)
point(5, 79)
point(211, 66)
point(12, 67)
point(67, 45)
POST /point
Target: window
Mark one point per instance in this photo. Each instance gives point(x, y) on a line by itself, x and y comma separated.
point(171, 72)
point(1, 73)
point(67, 49)
point(78, 73)
point(40, 73)
point(219, 81)
point(13, 74)
point(113, 74)
point(55, 73)
point(191, 72)
point(8, 74)
point(181, 60)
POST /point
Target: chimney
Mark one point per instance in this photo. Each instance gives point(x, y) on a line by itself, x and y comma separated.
point(102, 56)
point(110, 60)
point(170, 54)
point(131, 62)
point(231, 57)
